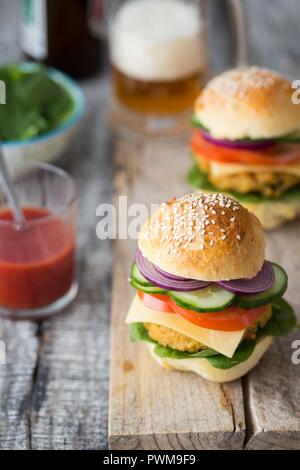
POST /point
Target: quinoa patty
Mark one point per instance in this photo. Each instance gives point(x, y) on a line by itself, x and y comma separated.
point(173, 339)
point(269, 184)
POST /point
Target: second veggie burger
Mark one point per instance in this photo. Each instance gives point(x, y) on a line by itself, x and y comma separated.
point(246, 142)
point(207, 300)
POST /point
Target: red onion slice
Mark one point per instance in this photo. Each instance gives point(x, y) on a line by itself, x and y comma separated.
point(238, 144)
point(149, 271)
point(171, 276)
point(261, 282)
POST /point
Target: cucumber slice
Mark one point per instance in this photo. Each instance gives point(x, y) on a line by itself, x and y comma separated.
point(148, 289)
point(275, 292)
point(137, 277)
point(210, 299)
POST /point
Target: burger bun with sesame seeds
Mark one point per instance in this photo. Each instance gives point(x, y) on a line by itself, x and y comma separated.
point(209, 237)
point(249, 102)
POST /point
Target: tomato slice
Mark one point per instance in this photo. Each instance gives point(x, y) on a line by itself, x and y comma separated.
point(280, 154)
point(230, 319)
point(158, 302)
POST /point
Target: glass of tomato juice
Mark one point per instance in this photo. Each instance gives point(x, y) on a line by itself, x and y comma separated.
point(37, 260)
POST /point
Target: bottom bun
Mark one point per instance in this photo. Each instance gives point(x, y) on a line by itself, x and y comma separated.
point(203, 367)
point(272, 214)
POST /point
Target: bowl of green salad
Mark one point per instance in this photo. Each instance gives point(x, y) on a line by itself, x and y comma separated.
point(39, 113)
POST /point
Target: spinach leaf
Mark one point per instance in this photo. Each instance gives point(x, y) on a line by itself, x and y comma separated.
point(35, 103)
point(282, 322)
point(242, 353)
point(165, 351)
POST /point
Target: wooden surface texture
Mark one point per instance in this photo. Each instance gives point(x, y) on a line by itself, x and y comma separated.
point(151, 408)
point(54, 387)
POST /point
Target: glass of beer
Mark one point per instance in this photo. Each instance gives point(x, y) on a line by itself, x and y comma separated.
point(158, 55)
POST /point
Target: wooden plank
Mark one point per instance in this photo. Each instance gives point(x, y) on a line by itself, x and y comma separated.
point(272, 27)
point(151, 408)
point(16, 382)
point(68, 402)
point(272, 389)
point(21, 339)
point(69, 407)
point(140, 393)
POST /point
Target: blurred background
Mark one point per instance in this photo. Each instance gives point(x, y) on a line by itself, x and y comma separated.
point(276, 23)
point(56, 373)
point(101, 38)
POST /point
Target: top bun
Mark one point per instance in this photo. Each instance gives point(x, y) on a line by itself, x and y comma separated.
point(248, 102)
point(208, 237)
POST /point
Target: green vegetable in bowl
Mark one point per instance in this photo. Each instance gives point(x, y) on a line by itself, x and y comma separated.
point(35, 103)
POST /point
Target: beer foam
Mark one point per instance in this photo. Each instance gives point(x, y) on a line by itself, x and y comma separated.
point(157, 40)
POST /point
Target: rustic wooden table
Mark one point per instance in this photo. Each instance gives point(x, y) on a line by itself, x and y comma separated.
point(54, 386)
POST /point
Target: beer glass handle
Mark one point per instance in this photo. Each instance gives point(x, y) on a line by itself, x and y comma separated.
point(238, 25)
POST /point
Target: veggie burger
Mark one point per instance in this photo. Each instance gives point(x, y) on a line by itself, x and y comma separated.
point(206, 299)
point(246, 142)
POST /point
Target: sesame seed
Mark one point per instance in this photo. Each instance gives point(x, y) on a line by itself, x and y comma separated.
point(238, 237)
point(233, 86)
point(183, 220)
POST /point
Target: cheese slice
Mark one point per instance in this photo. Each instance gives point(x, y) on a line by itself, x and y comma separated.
point(225, 342)
point(217, 169)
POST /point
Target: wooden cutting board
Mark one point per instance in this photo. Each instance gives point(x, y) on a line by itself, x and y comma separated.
point(152, 408)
